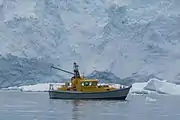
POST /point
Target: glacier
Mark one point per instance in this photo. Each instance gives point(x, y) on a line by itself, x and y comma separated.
point(132, 39)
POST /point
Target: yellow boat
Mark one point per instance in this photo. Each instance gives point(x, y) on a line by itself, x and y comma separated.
point(81, 88)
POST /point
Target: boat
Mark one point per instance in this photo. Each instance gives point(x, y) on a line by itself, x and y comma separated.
point(80, 87)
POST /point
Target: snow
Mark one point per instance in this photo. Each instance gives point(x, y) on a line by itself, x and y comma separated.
point(121, 36)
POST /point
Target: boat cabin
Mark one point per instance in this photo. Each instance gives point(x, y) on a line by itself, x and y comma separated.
point(82, 84)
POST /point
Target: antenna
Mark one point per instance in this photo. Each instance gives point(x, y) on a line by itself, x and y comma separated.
point(83, 75)
point(76, 71)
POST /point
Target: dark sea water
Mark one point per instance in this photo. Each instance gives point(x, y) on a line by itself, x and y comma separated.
point(15, 105)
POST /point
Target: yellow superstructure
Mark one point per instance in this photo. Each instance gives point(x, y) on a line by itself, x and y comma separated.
point(82, 84)
point(85, 85)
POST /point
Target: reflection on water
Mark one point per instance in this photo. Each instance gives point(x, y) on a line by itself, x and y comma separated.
point(76, 112)
point(88, 108)
point(37, 106)
point(75, 109)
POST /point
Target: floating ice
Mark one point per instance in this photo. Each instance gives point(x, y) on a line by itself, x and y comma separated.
point(153, 85)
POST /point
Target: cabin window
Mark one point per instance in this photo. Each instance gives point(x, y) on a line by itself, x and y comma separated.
point(94, 83)
point(86, 83)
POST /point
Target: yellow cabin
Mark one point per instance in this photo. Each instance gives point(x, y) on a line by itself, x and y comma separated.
point(82, 84)
point(85, 85)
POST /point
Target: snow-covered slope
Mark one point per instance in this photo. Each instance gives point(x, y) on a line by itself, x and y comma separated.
point(121, 36)
point(15, 71)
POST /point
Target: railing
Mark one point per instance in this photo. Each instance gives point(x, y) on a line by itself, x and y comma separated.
point(54, 86)
point(51, 87)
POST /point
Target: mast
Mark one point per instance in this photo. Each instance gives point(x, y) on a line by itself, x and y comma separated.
point(76, 71)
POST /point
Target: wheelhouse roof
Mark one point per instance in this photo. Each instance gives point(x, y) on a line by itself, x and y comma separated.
point(89, 80)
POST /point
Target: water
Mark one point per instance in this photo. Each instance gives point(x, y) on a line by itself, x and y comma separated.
point(37, 106)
